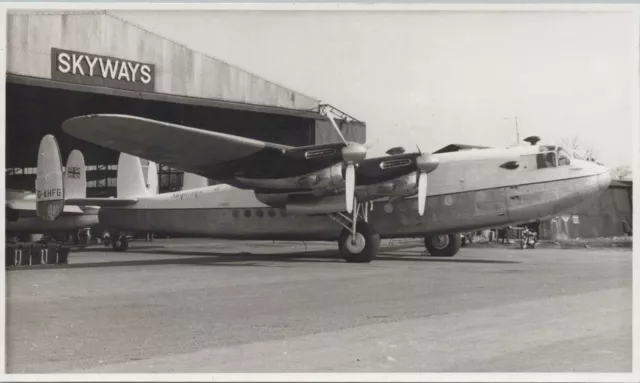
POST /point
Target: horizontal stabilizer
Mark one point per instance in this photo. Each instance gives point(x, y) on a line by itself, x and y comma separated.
point(102, 202)
point(30, 205)
point(21, 204)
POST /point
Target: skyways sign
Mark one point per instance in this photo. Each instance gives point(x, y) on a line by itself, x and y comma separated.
point(89, 69)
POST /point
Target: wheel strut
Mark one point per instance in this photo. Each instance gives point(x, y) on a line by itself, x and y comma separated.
point(354, 221)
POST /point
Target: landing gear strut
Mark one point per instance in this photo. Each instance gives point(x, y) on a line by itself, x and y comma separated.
point(358, 242)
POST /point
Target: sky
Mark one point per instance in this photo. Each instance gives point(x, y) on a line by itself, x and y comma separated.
point(438, 77)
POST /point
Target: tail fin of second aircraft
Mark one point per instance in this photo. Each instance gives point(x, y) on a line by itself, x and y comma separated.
point(49, 180)
point(54, 191)
point(75, 177)
point(131, 182)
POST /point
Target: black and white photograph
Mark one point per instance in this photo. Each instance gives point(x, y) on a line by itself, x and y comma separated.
point(322, 188)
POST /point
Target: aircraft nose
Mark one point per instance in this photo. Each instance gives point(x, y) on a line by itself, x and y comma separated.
point(604, 180)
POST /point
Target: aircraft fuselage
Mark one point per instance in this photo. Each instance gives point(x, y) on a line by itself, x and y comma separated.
point(468, 191)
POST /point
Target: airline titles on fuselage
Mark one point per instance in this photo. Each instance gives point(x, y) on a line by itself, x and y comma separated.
point(185, 194)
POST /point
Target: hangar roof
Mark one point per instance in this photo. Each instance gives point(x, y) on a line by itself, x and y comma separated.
point(37, 39)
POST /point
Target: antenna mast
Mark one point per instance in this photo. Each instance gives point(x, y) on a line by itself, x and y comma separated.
point(517, 130)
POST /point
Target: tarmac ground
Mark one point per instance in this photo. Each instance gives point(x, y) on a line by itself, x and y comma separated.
point(192, 305)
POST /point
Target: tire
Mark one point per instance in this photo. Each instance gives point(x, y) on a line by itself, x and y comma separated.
point(437, 246)
point(121, 243)
point(369, 250)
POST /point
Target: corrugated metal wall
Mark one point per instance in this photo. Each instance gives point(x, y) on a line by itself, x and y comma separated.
point(602, 218)
point(179, 70)
point(352, 131)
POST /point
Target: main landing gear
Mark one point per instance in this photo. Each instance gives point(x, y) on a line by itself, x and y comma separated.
point(120, 241)
point(358, 242)
point(443, 245)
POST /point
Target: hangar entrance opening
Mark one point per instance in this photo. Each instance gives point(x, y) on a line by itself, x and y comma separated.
point(33, 111)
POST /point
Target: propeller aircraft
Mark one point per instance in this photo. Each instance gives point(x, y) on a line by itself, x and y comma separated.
point(327, 192)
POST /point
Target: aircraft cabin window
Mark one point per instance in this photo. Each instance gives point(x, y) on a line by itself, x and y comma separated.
point(247, 213)
point(564, 158)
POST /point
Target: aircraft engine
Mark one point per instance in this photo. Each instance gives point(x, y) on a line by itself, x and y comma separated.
point(398, 187)
point(304, 203)
point(307, 203)
point(325, 179)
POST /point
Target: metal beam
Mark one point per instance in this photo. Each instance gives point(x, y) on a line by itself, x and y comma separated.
point(48, 83)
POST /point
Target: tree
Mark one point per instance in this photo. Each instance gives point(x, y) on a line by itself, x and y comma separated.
point(579, 150)
point(622, 173)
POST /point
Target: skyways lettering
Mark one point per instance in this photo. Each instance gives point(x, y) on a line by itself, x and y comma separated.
point(49, 193)
point(185, 194)
point(89, 69)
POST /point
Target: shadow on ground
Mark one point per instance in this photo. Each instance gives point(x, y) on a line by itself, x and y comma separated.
point(207, 258)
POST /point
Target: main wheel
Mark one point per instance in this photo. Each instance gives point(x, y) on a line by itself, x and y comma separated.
point(443, 245)
point(121, 243)
point(365, 247)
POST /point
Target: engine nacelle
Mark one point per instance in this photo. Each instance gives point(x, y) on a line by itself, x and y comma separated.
point(327, 178)
point(398, 187)
point(316, 205)
point(306, 203)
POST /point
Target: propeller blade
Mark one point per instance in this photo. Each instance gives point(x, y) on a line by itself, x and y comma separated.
point(350, 187)
point(422, 193)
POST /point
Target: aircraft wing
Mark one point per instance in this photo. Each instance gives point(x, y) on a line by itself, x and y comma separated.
point(209, 154)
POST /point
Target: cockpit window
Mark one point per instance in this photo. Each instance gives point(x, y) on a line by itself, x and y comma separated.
point(564, 158)
point(546, 160)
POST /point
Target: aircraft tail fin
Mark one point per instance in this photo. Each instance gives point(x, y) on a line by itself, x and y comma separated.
point(150, 171)
point(49, 180)
point(130, 181)
point(75, 177)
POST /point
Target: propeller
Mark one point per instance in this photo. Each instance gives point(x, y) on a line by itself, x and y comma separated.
point(352, 153)
point(425, 163)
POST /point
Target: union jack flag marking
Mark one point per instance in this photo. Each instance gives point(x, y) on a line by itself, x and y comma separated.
point(74, 172)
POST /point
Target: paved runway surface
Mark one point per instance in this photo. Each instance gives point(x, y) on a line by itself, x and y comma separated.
point(204, 306)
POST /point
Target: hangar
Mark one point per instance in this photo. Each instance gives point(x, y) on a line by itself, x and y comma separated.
point(66, 64)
